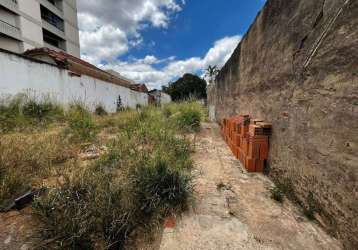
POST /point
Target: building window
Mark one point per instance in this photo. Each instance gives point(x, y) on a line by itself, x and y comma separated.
point(53, 40)
point(51, 18)
point(56, 3)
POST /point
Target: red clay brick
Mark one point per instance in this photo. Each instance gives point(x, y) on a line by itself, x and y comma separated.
point(260, 166)
point(250, 165)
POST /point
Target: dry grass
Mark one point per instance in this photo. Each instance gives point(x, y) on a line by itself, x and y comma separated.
point(144, 175)
point(25, 159)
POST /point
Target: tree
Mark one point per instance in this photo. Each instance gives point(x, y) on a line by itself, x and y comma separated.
point(186, 87)
point(212, 72)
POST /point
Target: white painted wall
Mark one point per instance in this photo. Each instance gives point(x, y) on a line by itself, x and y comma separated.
point(19, 75)
point(165, 98)
point(161, 97)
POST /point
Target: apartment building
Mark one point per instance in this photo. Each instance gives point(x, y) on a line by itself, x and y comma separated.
point(29, 24)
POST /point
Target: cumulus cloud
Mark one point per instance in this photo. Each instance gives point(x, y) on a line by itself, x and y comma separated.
point(143, 70)
point(108, 29)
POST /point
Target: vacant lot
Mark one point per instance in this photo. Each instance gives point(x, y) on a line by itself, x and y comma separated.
point(100, 179)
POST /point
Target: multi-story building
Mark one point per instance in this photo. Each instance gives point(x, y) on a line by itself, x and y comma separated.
point(28, 24)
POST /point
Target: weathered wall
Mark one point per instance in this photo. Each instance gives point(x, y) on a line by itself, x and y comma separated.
point(298, 67)
point(19, 75)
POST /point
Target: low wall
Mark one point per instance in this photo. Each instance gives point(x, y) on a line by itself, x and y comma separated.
point(19, 75)
point(297, 67)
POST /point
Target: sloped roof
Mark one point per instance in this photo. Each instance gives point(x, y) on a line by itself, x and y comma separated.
point(140, 88)
point(76, 65)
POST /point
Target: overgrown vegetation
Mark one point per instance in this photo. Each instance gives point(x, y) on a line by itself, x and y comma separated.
point(81, 125)
point(185, 116)
point(100, 110)
point(25, 113)
point(143, 175)
point(24, 159)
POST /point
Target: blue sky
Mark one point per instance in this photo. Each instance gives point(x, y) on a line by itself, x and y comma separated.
point(156, 41)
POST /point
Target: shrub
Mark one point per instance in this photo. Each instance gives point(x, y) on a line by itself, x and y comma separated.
point(96, 202)
point(66, 212)
point(22, 112)
point(42, 111)
point(188, 120)
point(81, 125)
point(11, 116)
point(143, 176)
point(160, 188)
point(100, 110)
point(167, 112)
point(312, 207)
point(277, 194)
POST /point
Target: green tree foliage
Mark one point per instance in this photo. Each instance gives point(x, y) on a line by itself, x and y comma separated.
point(188, 86)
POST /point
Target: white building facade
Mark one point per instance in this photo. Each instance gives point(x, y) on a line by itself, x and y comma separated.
point(28, 24)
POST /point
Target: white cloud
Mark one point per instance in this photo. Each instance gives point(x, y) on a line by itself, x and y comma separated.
point(143, 70)
point(105, 43)
point(108, 29)
point(222, 50)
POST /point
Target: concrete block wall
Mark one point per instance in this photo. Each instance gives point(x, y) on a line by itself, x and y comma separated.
point(297, 67)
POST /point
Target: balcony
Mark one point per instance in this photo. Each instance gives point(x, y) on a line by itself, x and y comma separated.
point(53, 41)
point(52, 22)
point(54, 7)
point(10, 30)
point(10, 5)
point(56, 3)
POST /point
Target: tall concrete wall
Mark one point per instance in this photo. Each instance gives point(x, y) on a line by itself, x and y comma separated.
point(20, 75)
point(297, 67)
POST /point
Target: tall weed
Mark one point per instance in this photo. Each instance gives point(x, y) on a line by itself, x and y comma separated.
point(81, 125)
point(144, 176)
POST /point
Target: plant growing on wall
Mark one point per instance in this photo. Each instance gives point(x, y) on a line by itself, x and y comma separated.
point(119, 104)
point(211, 72)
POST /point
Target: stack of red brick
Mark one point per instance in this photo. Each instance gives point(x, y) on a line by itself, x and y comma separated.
point(248, 139)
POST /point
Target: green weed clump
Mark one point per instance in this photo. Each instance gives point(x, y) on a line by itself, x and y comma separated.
point(312, 207)
point(277, 194)
point(25, 113)
point(144, 176)
point(100, 110)
point(10, 115)
point(186, 116)
point(81, 125)
point(283, 188)
point(42, 111)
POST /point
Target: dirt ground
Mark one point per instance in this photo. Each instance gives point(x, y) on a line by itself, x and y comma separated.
point(233, 209)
